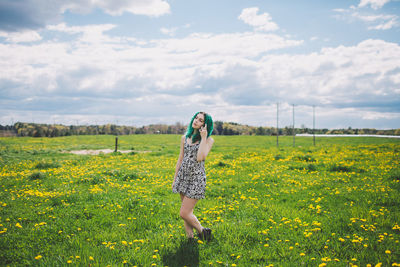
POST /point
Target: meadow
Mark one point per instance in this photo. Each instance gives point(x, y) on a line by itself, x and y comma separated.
point(333, 204)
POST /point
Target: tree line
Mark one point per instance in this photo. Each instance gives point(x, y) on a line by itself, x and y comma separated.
point(220, 128)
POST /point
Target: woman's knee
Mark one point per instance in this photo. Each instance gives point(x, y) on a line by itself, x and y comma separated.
point(184, 214)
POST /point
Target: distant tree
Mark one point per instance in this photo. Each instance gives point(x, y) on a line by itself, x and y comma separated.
point(260, 131)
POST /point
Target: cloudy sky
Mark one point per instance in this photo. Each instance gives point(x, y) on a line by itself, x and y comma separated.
point(137, 62)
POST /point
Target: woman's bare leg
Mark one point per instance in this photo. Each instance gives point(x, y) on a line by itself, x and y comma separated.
point(187, 215)
point(188, 227)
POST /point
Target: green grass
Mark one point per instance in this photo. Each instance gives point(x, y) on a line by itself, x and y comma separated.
point(336, 203)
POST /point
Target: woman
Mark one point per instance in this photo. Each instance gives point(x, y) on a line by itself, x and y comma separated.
point(190, 176)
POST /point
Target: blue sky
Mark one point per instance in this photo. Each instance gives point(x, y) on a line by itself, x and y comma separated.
point(142, 62)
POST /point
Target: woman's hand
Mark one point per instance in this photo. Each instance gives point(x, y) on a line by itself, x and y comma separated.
point(203, 132)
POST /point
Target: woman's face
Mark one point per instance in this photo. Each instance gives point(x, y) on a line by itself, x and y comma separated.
point(198, 122)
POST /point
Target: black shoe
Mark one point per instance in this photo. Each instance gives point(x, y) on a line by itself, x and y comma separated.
point(205, 234)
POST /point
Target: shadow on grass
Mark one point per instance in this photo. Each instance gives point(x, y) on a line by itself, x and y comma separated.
point(186, 255)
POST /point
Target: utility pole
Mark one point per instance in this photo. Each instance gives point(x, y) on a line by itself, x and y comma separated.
point(314, 124)
point(277, 124)
point(294, 134)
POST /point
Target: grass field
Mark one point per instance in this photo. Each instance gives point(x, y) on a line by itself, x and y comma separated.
point(335, 204)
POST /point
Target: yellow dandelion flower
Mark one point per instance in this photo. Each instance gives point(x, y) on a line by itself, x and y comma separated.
point(38, 257)
point(388, 252)
point(378, 264)
point(18, 225)
point(91, 258)
point(302, 254)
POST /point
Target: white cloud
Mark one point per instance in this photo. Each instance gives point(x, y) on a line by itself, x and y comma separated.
point(372, 18)
point(118, 7)
point(34, 14)
point(375, 4)
point(172, 31)
point(385, 25)
point(370, 115)
point(374, 21)
point(234, 76)
point(21, 37)
point(168, 31)
point(88, 33)
point(261, 22)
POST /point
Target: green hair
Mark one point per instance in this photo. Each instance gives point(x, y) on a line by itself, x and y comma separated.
point(207, 121)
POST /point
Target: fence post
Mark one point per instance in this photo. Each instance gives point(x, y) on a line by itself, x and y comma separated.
point(116, 144)
point(314, 125)
point(277, 124)
point(294, 134)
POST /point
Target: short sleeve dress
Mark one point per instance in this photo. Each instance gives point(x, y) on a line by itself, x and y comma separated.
point(191, 178)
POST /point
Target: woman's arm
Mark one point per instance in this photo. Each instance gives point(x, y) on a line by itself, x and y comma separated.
point(205, 145)
point(180, 158)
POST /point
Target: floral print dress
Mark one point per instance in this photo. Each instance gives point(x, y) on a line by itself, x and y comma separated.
point(191, 178)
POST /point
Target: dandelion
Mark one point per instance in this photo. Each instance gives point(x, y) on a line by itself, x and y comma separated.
point(388, 252)
point(302, 254)
point(18, 225)
point(91, 258)
point(38, 257)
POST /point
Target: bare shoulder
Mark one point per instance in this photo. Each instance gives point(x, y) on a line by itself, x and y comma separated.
point(183, 138)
